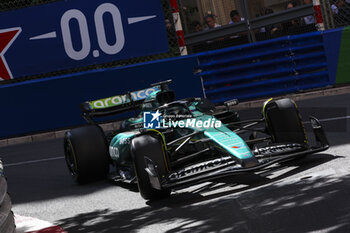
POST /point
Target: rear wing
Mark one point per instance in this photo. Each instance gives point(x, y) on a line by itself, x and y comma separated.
point(117, 104)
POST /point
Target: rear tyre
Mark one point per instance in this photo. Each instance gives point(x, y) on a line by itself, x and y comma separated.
point(86, 154)
point(149, 146)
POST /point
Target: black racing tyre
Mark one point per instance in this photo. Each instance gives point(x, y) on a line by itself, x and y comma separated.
point(7, 221)
point(86, 154)
point(283, 122)
point(152, 147)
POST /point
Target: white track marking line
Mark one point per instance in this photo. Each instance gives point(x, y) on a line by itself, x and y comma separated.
point(32, 161)
point(330, 119)
point(335, 118)
point(25, 224)
point(28, 224)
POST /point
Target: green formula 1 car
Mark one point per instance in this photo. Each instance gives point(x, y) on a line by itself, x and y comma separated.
point(173, 144)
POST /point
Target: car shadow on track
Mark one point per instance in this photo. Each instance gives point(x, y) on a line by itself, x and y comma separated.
point(129, 186)
point(301, 205)
point(46, 181)
point(246, 182)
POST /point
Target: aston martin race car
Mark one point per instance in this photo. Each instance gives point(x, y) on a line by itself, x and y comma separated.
point(178, 143)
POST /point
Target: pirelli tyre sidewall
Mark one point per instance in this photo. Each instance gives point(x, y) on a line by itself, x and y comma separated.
point(149, 145)
point(284, 122)
point(7, 222)
point(86, 154)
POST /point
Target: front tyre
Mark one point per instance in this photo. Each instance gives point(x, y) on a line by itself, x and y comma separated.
point(284, 122)
point(86, 154)
point(149, 146)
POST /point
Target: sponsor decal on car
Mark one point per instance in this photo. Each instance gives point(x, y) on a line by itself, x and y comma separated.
point(205, 166)
point(114, 152)
point(109, 102)
point(122, 99)
point(143, 94)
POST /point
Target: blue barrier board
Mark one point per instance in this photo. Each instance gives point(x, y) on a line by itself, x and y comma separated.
point(76, 33)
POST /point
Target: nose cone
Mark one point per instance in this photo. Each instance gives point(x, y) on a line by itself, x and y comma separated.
point(250, 162)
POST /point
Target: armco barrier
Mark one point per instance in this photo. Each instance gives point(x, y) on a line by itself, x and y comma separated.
point(275, 67)
point(44, 105)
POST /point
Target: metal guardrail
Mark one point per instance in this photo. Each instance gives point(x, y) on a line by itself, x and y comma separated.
point(256, 23)
point(267, 68)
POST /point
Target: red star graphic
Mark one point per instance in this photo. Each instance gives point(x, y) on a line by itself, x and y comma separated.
point(7, 37)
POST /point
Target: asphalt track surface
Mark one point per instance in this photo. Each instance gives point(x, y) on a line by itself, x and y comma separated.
point(311, 195)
